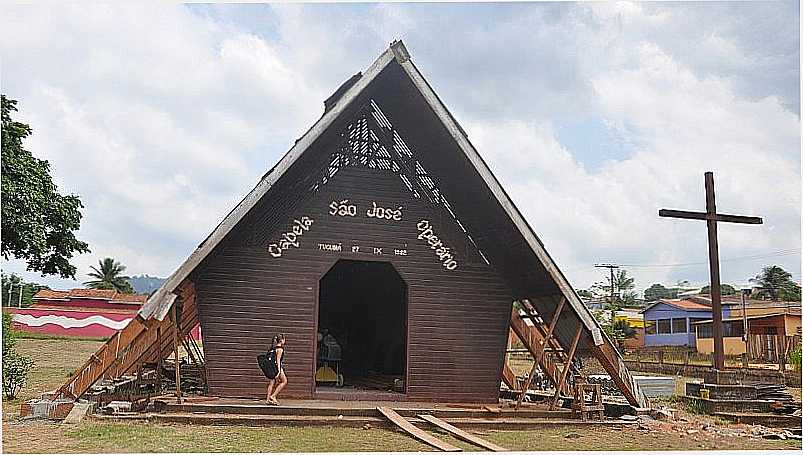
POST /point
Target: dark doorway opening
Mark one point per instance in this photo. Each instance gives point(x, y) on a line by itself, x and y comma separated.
point(362, 327)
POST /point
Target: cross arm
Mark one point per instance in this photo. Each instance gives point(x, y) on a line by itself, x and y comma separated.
point(667, 213)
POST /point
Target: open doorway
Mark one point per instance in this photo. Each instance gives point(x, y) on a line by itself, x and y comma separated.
point(362, 327)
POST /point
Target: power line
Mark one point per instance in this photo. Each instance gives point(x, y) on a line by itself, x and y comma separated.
point(741, 258)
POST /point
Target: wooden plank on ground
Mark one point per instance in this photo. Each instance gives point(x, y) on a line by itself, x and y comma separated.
point(416, 432)
point(460, 434)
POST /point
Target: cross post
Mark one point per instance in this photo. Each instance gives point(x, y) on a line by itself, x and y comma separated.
point(712, 217)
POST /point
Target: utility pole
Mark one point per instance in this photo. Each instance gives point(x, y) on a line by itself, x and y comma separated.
point(745, 293)
point(711, 217)
point(610, 267)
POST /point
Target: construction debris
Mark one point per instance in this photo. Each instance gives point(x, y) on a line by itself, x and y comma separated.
point(78, 412)
point(706, 428)
point(774, 392)
point(663, 414)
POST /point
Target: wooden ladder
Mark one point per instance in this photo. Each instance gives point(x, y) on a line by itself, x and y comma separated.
point(538, 341)
point(141, 341)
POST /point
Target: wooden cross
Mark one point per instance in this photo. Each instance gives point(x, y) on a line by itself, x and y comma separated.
point(712, 217)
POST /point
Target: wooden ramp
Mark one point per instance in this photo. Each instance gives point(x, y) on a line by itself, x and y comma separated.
point(462, 435)
point(416, 432)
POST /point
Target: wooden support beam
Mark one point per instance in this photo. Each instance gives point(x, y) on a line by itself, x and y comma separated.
point(135, 343)
point(175, 347)
point(159, 361)
point(531, 337)
point(509, 377)
point(613, 364)
point(539, 352)
point(93, 369)
point(567, 366)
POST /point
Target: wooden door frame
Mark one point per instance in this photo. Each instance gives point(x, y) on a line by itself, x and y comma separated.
point(360, 257)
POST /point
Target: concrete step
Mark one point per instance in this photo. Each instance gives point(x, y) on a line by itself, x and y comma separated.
point(710, 406)
point(357, 411)
point(762, 418)
point(359, 421)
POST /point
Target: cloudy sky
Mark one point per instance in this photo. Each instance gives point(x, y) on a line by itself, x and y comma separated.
point(593, 116)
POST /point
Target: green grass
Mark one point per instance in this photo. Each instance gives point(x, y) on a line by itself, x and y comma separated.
point(55, 358)
point(609, 439)
point(44, 336)
point(137, 437)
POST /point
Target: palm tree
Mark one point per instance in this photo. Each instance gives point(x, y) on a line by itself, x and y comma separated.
point(109, 277)
point(776, 283)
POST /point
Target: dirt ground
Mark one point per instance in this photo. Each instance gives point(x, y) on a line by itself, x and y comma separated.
point(55, 359)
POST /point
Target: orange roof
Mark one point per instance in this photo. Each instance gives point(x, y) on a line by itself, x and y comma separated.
point(685, 304)
point(127, 309)
point(105, 294)
point(49, 294)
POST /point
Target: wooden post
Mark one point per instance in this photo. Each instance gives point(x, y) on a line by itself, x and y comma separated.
point(139, 376)
point(713, 267)
point(712, 217)
point(539, 353)
point(178, 359)
point(159, 360)
point(661, 358)
point(566, 367)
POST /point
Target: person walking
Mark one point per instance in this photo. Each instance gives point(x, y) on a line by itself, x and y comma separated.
point(276, 357)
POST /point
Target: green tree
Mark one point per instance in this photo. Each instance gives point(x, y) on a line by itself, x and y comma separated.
point(658, 291)
point(623, 285)
point(775, 283)
point(109, 276)
point(628, 298)
point(617, 329)
point(620, 331)
point(724, 289)
point(38, 223)
point(585, 293)
point(15, 367)
point(11, 285)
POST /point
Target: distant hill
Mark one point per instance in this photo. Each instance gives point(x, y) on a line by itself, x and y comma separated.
point(145, 284)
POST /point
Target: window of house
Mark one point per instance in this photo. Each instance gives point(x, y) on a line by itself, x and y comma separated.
point(649, 327)
point(679, 325)
point(732, 329)
point(705, 330)
point(664, 326)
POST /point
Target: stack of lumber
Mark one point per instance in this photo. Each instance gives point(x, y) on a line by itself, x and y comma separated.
point(606, 384)
point(125, 388)
point(774, 392)
point(192, 377)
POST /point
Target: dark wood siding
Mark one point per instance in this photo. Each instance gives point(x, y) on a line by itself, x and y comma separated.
point(457, 319)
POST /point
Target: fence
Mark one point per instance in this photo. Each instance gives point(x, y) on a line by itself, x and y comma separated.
point(771, 348)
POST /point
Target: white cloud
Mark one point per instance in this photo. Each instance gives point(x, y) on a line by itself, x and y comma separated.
point(687, 125)
point(162, 118)
point(160, 122)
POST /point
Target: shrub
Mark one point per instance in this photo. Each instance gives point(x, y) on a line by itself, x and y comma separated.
point(15, 373)
point(794, 357)
point(15, 366)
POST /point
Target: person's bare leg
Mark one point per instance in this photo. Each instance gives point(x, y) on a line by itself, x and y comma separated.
point(280, 385)
point(270, 389)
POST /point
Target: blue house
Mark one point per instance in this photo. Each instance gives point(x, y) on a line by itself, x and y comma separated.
point(668, 322)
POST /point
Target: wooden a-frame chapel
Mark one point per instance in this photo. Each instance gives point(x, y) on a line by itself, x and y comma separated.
point(383, 247)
